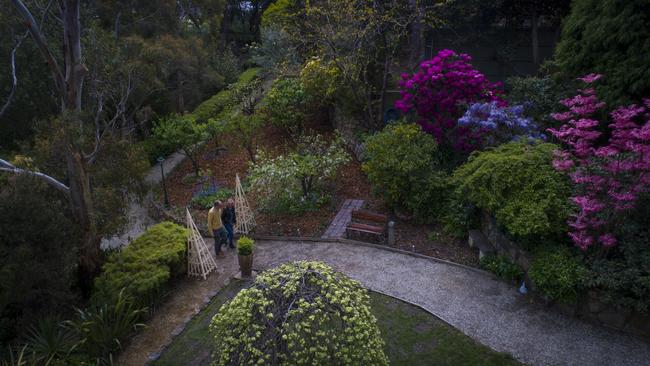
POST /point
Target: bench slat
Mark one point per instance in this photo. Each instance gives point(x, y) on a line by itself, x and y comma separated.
point(366, 228)
point(369, 216)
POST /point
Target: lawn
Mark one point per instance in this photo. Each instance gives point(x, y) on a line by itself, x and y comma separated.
point(412, 336)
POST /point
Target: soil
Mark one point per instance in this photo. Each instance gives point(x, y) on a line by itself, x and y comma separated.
point(351, 183)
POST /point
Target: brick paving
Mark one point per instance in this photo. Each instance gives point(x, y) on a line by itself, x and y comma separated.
point(336, 230)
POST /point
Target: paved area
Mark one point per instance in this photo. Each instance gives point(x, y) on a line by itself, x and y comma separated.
point(489, 311)
point(336, 230)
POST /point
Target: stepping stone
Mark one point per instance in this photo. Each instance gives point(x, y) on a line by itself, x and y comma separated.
point(336, 229)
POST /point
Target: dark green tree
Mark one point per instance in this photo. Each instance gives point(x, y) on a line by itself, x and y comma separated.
point(609, 37)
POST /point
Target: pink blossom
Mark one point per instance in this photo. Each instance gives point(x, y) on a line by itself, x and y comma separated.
point(590, 78)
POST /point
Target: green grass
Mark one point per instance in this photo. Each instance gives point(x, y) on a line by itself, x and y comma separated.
point(412, 336)
point(194, 345)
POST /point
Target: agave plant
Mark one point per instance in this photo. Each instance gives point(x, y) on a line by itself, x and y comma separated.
point(49, 340)
point(103, 328)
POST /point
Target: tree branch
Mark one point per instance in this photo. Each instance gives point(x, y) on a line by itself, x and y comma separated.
point(6, 166)
point(35, 31)
point(14, 78)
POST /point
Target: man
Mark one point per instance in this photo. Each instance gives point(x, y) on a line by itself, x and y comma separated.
point(229, 218)
point(215, 226)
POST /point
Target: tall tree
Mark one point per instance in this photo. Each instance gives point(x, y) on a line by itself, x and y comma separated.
point(69, 73)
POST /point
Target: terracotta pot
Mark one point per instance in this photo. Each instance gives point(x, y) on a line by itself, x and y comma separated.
point(246, 265)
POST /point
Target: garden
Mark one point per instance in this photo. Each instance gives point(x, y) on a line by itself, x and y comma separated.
point(519, 155)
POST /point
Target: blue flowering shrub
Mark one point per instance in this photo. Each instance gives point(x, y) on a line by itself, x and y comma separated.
point(301, 313)
point(493, 124)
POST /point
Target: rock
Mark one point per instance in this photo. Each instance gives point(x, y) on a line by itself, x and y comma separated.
point(478, 240)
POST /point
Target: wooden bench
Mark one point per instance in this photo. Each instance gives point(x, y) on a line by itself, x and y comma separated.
point(367, 223)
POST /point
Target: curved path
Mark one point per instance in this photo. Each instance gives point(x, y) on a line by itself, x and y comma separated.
point(489, 311)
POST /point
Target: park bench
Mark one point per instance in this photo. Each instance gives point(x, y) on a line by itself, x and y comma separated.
point(364, 223)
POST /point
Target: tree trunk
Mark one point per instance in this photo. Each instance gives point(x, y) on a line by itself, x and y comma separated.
point(535, 37)
point(89, 259)
point(416, 33)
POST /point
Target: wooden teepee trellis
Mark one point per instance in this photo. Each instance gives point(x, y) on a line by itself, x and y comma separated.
point(245, 219)
point(199, 260)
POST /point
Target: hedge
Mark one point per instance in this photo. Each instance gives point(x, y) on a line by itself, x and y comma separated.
point(145, 266)
point(224, 99)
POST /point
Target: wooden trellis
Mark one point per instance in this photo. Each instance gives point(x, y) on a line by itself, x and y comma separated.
point(245, 218)
point(199, 260)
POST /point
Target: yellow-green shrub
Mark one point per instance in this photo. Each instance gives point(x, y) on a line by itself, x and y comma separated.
point(143, 267)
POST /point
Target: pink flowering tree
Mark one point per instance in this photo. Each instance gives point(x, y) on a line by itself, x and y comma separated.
point(609, 166)
point(440, 92)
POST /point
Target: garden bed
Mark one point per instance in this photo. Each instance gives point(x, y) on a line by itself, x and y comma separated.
point(412, 336)
point(350, 183)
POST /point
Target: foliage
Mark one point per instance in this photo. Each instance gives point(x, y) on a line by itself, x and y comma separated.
point(207, 201)
point(292, 183)
point(608, 174)
point(320, 80)
point(181, 133)
point(623, 278)
point(501, 266)
point(245, 130)
point(538, 95)
point(48, 340)
point(517, 183)
point(143, 267)
point(299, 313)
point(557, 274)
point(225, 99)
point(401, 164)
point(37, 239)
point(245, 245)
point(275, 50)
point(103, 329)
point(489, 124)
point(286, 104)
point(438, 92)
point(609, 37)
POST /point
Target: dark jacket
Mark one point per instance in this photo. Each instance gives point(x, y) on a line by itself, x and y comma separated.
point(228, 216)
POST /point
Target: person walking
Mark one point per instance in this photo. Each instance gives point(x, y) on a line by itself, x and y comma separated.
point(215, 226)
point(229, 219)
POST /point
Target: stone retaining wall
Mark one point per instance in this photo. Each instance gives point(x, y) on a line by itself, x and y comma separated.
point(589, 306)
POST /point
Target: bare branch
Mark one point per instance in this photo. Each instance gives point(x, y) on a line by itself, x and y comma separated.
point(14, 78)
point(35, 31)
point(6, 166)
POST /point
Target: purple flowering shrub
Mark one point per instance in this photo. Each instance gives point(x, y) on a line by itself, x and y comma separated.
point(609, 170)
point(489, 124)
point(440, 92)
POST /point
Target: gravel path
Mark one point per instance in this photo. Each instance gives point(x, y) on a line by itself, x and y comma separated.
point(487, 310)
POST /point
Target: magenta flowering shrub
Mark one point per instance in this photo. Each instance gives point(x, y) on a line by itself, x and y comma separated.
point(440, 92)
point(610, 170)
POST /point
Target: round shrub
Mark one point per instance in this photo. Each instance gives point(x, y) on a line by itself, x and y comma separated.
point(286, 104)
point(557, 275)
point(438, 94)
point(301, 313)
point(609, 37)
point(401, 164)
point(516, 182)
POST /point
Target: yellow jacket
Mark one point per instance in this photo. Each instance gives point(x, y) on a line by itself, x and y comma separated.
point(214, 219)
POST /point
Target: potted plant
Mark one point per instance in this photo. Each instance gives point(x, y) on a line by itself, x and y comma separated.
point(245, 252)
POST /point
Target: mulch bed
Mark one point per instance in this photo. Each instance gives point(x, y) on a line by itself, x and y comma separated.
point(350, 183)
